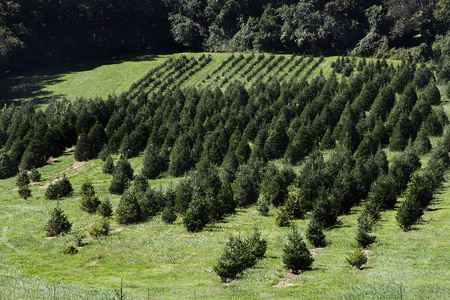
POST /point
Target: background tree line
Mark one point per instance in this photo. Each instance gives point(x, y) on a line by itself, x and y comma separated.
point(41, 32)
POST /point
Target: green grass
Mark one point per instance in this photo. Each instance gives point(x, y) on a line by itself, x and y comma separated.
point(174, 264)
point(170, 263)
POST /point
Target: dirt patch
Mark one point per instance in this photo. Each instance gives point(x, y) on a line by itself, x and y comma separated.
point(51, 237)
point(287, 277)
point(97, 182)
point(94, 263)
point(117, 230)
point(368, 254)
point(75, 165)
point(51, 159)
point(51, 182)
point(314, 251)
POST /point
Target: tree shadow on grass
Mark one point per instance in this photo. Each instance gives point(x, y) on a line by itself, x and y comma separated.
point(29, 86)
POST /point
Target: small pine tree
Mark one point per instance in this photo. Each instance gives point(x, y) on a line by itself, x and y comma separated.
point(89, 201)
point(314, 235)
point(108, 166)
point(52, 192)
point(24, 192)
point(296, 256)
point(105, 209)
point(408, 214)
point(283, 218)
point(196, 216)
point(263, 206)
point(58, 222)
point(128, 210)
point(100, 229)
point(364, 229)
point(35, 175)
point(22, 179)
point(357, 258)
point(168, 215)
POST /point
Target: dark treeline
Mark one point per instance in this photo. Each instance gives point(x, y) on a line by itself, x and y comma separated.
point(241, 130)
point(41, 32)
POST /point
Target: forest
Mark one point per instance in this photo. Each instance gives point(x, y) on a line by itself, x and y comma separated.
point(42, 32)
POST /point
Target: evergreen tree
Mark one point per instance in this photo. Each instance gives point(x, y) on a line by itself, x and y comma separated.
point(22, 179)
point(84, 149)
point(35, 175)
point(152, 163)
point(278, 140)
point(422, 143)
point(364, 230)
point(168, 215)
point(128, 211)
point(105, 209)
point(183, 195)
point(314, 234)
point(409, 213)
point(24, 192)
point(121, 175)
point(432, 94)
point(196, 217)
point(89, 201)
point(296, 256)
point(8, 166)
point(58, 222)
point(180, 157)
point(108, 165)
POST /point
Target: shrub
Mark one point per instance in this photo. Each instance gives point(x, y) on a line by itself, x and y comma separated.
point(169, 215)
point(263, 206)
point(70, 250)
point(364, 229)
point(283, 218)
point(52, 192)
point(89, 201)
point(128, 210)
point(35, 175)
point(22, 179)
point(100, 229)
point(296, 256)
point(24, 192)
point(196, 216)
point(58, 223)
point(108, 166)
point(408, 214)
point(314, 235)
point(357, 258)
point(64, 187)
point(240, 254)
point(105, 208)
point(78, 238)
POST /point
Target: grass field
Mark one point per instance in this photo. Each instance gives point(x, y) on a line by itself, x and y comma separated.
point(165, 261)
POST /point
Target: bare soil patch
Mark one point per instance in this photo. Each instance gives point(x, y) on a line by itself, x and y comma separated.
point(287, 277)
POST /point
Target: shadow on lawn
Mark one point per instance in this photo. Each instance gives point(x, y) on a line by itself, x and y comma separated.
point(30, 85)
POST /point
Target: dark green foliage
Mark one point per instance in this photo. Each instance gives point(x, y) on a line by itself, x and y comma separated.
point(240, 254)
point(58, 223)
point(325, 210)
point(24, 192)
point(34, 175)
point(108, 165)
point(84, 150)
point(8, 166)
point(364, 230)
point(105, 209)
point(314, 234)
point(383, 192)
point(328, 141)
point(278, 140)
point(422, 143)
point(432, 94)
point(409, 213)
point(152, 164)
point(180, 157)
point(263, 206)
point(284, 217)
point(78, 238)
point(122, 173)
point(296, 256)
point(71, 250)
point(140, 184)
point(402, 168)
point(168, 215)
point(357, 258)
point(196, 217)
point(401, 134)
point(59, 189)
point(100, 228)
point(245, 186)
point(432, 125)
point(183, 195)
point(150, 203)
point(128, 211)
point(89, 201)
point(22, 179)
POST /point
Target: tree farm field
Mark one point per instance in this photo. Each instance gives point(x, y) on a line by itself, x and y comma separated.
point(159, 261)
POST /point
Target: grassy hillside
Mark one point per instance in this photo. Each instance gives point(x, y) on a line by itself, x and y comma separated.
point(172, 263)
point(100, 78)
point(166, 262)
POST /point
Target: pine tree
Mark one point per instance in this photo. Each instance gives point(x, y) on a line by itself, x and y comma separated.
point(196, 217)
point(296, 256)
point(314, 235)
point(364, 230)
point(128, 211)
point(89, 201)
point(8, 166)
point(22, 179)
point(35, 175)
point(105, 209)
point(432, 94)
point(152, 163)
point(168, 215)
point(24, 192)
point(84, 149)
point(58, 222)
point(108, 165)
